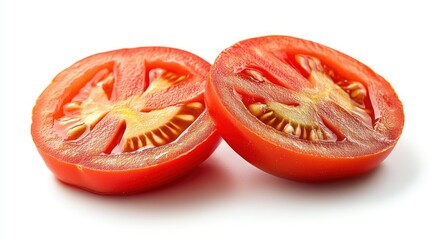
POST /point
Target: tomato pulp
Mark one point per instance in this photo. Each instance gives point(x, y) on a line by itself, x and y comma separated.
point(301, 110)
point(125, 121)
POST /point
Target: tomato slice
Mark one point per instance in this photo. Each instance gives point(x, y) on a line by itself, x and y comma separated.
point(125, 121)
point(302, 111)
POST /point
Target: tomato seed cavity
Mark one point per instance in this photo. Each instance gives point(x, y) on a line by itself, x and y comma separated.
point(301, 120)
point(139, 129)
point(272, 115)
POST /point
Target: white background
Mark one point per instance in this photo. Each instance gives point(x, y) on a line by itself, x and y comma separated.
point(225, 197)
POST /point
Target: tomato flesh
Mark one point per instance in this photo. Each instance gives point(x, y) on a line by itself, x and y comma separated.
point(301, 110)
point(125, 121)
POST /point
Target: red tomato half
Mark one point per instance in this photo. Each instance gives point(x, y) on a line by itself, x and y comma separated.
point(125, 121)
point(301, 110)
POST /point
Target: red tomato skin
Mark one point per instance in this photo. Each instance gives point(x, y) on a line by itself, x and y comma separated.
point(291, 163)
point(132, 181)
point(282, 162)
point(68, 161)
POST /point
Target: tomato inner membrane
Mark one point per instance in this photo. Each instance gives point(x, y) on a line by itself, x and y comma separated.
point(140, 128)
point(302, 120)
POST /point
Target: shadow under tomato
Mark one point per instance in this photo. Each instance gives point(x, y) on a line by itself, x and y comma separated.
point(391, 178)
point(204, 186)
point(218, 183)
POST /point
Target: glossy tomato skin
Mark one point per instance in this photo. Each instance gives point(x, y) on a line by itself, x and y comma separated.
point(288, 157)
point(131, 181)
point(86, 162)
point(286, 163)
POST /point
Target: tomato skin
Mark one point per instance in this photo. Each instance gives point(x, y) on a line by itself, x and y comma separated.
point(245, 135)
point(84, 162)
point(125, 182)
point(282, 162)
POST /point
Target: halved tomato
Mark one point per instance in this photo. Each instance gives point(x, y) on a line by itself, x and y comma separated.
point(303, 111)
point(125, 121)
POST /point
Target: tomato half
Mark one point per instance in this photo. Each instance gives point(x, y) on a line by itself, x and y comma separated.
point(303, 111)
point(125, 121)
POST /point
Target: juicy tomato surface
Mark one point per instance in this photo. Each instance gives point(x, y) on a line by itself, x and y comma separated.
point(125, 121)
point(301, 110)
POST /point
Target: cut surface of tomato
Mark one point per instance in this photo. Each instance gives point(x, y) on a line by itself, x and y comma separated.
point(125, 121)
point(300, 110)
